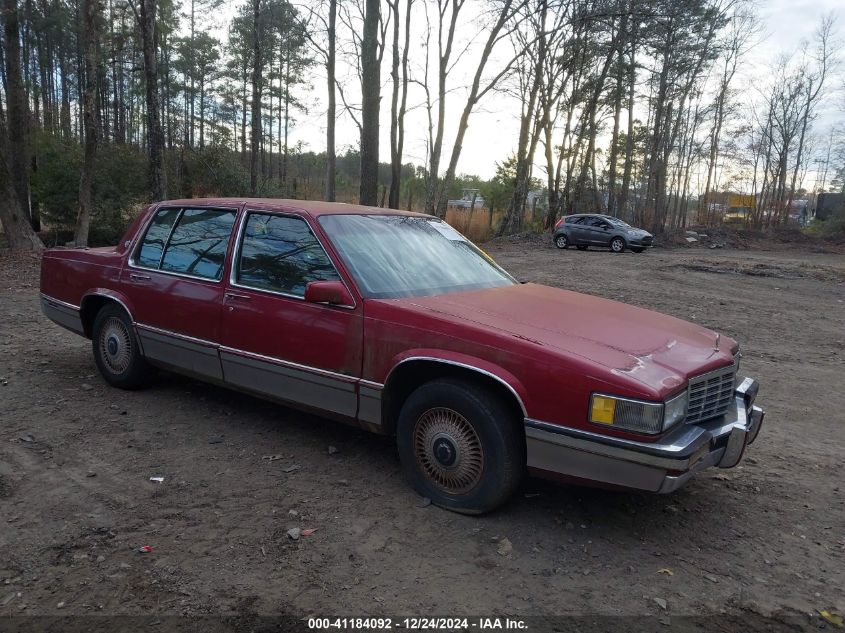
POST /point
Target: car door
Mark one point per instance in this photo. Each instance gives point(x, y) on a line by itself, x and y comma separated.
point(597, 229)
point(273, 341)
point(575, 230)
point(174, 280)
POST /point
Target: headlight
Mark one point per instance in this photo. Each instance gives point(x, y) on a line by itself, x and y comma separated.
point(638, 415)
point(675, 410)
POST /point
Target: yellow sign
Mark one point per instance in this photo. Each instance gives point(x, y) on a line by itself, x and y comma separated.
point(740, 202)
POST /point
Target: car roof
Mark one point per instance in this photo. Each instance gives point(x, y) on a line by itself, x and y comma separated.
point(313, 208)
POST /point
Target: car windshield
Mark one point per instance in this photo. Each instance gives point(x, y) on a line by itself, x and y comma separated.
point(394, 256)
point(617, 222)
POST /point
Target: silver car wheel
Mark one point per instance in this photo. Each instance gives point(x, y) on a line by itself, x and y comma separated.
point(448, 450)
point(115, 346)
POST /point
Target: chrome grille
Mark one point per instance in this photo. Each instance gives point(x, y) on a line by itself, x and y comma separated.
point(712, 393)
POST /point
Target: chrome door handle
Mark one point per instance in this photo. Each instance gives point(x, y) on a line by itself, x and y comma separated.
point(139, 277)
point(237, 297)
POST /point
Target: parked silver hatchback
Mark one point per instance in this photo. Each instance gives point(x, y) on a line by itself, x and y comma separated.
point(587, 229)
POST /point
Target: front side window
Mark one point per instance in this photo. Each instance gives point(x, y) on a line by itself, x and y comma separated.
point(619, 223)
point(280, 254)
point(188, 241)
point(394, 256)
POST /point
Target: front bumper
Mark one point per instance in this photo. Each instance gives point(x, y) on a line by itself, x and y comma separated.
point(661, 466)
point(643, 241)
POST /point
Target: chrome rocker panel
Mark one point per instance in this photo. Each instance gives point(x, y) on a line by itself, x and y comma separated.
point(662, 466)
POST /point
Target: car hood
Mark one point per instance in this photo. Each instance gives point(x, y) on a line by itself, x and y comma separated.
point(653, 349)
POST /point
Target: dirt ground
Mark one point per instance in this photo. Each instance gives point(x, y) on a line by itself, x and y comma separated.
point(766, 539)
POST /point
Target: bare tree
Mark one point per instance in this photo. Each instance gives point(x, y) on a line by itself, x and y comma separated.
point(398, 107)
point(506, 17)
point(743, 28)
point(535, 63)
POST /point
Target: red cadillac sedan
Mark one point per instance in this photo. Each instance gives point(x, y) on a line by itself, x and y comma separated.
point(395, 322)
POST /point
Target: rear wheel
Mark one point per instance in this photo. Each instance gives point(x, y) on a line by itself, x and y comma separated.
point(617, 245)
point(460, 445)
point(116, 349)
point(561, 241)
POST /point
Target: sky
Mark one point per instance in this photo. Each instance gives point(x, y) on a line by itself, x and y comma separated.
point(494, 126)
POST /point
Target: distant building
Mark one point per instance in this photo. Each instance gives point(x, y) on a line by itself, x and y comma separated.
point(466, 200)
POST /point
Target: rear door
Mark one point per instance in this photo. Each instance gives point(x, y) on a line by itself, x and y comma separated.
point(575, 230)
point(175, 283)
point(273, 341)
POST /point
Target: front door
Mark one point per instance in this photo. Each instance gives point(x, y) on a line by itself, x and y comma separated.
point(598, 230)
point(275, 343)
point(175, 283)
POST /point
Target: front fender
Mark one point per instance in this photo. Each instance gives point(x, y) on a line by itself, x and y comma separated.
point(466, 361)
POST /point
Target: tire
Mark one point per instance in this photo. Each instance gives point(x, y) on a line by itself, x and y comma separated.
point(460, 445)
point(637, 250)
point(561, 241)
point(116, 349)
point(617, 245)
point(582, 248)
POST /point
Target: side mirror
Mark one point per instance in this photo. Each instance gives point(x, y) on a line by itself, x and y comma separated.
point(331, 292)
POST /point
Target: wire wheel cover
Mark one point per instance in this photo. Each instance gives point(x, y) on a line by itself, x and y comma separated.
point(115, 345)
point(448, 450)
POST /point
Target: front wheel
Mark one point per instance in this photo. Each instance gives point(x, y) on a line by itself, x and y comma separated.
point(116, 350)
point(561, 241)
point(617, 245)
point(460, 445)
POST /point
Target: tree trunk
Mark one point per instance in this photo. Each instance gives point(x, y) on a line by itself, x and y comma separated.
point(370, 97)
point(155, 135)
point(17, 107)
point(91, 116)
point(617, 109)
point(397, 120)
point(524, 157)
point(395, 158)
point(255, 148)
point(16, 226)
point(331, 115)
point(622, 202)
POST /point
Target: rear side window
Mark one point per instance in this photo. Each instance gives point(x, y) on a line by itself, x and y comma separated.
point(156, 238)
point(281, 254)
point(575, 219)
point(196, 245)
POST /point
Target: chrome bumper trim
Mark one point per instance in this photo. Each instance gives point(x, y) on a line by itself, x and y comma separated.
point(661, 466)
